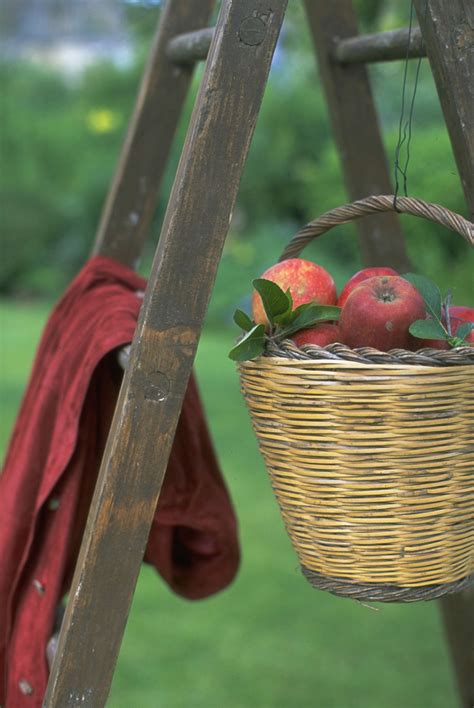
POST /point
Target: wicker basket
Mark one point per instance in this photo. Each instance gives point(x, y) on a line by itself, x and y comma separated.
point(371, 454)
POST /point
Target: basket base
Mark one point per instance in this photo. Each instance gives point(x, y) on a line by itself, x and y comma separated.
point(383, 592)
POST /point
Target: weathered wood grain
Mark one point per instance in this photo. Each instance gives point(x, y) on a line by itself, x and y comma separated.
point(458, 616)
point(132, 197)
point(383, 46)
point(135, 459)
point(448, 31)
point(355, 127)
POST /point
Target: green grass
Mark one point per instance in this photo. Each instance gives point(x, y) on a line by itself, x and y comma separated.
point(270, 640)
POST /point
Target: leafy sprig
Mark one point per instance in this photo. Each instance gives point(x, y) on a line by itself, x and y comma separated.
point(438, 325)
point(283, 320)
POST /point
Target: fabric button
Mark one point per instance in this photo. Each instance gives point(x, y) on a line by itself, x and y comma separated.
point(39, 586)
point(25, 687)
point(53, 504)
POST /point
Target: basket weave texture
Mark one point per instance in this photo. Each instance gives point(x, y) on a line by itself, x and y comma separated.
point(371, 458)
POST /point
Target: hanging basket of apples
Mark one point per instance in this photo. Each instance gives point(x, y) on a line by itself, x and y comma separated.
point(363, 407)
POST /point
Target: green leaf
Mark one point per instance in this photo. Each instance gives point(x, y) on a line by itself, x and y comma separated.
point(428, 329)
point(429, 291)
point(285, 318)
point(275, 301)
point(456, 342)
point(308, 315)
point(250, 346)
point(330, 312)
point(243, 321)
point(464, 330)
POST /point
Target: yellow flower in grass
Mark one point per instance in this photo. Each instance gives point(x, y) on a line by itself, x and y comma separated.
point(102, 120)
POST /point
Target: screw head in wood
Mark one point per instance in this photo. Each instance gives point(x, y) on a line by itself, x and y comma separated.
point(157, 386)
point(252, 31)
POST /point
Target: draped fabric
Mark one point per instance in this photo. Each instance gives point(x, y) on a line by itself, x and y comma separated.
point(51, 468)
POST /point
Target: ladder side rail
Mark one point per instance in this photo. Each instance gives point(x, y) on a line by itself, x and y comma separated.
point(162, 354)
point(131, 201)
point(356, 131)
point(448, 31)
point(457, 612)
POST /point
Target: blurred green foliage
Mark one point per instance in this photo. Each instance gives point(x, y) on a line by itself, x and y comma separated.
point(61, 140)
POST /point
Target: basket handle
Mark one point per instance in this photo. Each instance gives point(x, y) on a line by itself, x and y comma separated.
point(371, 205)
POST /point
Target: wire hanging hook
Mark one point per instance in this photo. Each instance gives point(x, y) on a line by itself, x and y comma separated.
point(405, 130)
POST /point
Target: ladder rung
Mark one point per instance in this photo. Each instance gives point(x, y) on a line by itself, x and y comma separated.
point(191, 46)
point(383, 46)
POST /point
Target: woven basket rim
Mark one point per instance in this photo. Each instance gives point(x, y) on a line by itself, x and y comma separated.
point(287, 349)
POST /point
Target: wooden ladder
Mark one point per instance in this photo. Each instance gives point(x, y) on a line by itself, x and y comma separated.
point(239, 51)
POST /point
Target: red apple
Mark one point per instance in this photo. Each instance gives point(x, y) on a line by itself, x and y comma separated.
point(432, 344)
point(379, 312)
point(321, 334)
point(460, 314)
point(306, 280)
point(358, 278)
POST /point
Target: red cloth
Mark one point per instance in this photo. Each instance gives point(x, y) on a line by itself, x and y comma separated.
point(51, 468)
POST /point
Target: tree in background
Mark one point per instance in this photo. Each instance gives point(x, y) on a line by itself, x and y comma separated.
point(61, 137)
